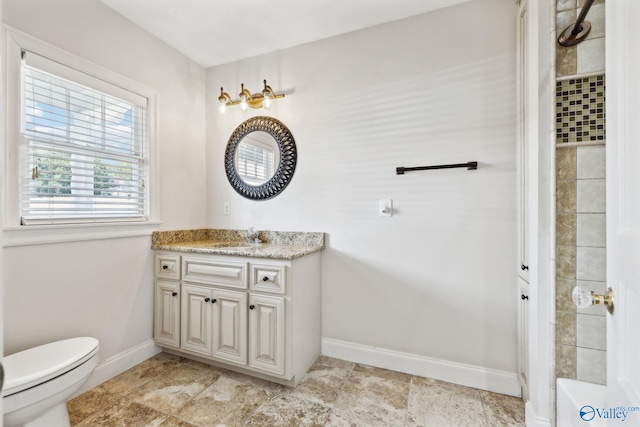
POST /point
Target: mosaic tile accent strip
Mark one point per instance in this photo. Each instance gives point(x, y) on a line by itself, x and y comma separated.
point(580, 110)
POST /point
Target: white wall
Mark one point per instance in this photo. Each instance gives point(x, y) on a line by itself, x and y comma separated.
point(104, 288)
point(436, 279)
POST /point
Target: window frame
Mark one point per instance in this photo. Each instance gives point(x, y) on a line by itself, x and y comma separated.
point(16, 234)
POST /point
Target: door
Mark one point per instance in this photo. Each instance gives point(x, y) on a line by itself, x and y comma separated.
point(167, 312)
point(523, 199)
point(623, 205)
point(266, 333)
point(230, 326)
point(523, 336)
point(196, 319)
point(523, 141)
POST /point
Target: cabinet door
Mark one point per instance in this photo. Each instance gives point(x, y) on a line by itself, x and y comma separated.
point(167, 313)
point(230, 326)
point(523, 335)
point(266, 333)
point(196, 318)
point(523, 143)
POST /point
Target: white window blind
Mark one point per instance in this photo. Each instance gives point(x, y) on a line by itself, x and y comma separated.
point(85, 156)
point(255, 163)
point(256, 160)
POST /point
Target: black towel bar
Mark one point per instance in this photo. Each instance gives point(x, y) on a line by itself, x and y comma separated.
point(469, 165)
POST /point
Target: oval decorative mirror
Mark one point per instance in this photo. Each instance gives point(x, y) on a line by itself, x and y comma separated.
point(260, 158)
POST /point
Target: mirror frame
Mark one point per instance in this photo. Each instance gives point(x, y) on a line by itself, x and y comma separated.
point(288, 158)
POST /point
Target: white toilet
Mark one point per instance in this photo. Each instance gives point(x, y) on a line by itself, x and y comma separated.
point(38, 381)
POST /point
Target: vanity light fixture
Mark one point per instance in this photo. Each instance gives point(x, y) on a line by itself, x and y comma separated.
point(247, 99)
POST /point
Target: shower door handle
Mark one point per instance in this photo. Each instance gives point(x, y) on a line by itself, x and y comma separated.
point(583, 298)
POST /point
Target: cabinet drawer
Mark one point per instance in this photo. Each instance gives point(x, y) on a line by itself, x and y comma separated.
point(215, 272)
point(168, 266)
point(268, 278)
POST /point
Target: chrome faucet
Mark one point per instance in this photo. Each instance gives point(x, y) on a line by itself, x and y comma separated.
point(252, 235)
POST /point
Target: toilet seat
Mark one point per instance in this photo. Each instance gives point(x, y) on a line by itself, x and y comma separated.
point(35, 366)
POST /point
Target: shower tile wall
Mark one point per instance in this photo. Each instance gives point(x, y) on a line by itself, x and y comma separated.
point(589, 52)
point(580, 196)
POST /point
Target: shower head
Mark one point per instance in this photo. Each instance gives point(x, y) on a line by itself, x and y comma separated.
point(575, 33)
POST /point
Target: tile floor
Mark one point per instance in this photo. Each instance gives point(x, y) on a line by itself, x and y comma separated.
point(170, 391)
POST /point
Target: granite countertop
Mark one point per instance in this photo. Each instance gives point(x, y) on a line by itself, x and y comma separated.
point(275, 244)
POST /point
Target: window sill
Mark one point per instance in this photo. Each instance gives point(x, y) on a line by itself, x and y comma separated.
point(47, 234)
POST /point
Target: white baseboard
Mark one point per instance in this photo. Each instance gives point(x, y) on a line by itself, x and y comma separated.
point(532, 419)
point(457, 373)
point(119, 363)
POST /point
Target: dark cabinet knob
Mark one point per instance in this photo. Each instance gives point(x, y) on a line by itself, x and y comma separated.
point(265, 279)
point(173, 294)
point(524, 267)
point(164, 267)
point(213, 301)
point(206, 300)
point(251, 307)
point(524, 297)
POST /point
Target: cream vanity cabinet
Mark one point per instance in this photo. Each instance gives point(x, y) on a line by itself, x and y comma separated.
point(258, 316)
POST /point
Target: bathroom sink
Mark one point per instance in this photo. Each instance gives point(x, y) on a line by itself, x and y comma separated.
point(235, 245)
point(231, 245)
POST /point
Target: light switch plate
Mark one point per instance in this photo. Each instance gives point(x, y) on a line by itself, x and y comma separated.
point(386, 207)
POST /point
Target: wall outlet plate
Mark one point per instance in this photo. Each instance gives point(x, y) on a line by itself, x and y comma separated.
point(226, 208)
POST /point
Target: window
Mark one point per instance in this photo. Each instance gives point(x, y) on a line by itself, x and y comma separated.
point(255, 163)
point(85, 154)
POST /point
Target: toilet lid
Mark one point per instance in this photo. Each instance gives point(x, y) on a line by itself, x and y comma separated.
point(37, 365)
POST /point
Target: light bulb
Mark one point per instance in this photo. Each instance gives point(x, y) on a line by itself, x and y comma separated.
point(223, 107)
point(243, 104)
point(267, 102)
